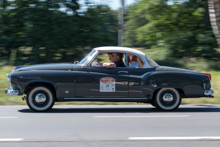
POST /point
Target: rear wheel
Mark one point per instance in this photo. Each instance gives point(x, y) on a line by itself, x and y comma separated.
point(40, 98)
point(153, 103)
point(167, 99)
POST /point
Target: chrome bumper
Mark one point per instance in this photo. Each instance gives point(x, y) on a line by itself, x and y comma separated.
point(11, 91)
point(209, 92)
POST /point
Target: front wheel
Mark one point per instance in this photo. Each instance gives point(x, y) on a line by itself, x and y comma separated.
point(167, 99)
point(40, 98)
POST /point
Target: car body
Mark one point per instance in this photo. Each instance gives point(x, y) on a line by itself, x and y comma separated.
point(162, 86)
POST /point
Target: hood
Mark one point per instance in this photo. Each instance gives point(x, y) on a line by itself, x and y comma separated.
point(51, 66)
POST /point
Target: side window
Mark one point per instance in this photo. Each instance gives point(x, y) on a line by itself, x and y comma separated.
point(134, 61)
point(107, 58)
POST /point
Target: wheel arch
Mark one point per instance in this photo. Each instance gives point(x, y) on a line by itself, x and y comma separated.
point(32, 84)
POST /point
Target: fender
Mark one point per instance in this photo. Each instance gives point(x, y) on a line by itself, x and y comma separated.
point(34, 81)
point(188, 82)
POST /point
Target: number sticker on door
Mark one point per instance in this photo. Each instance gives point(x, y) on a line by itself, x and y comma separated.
point(107, 84)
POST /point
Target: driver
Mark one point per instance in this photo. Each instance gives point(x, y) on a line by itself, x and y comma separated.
point(116, 59)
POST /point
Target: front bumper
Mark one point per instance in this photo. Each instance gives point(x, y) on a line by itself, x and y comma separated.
point(11, 91)
point(209, 92)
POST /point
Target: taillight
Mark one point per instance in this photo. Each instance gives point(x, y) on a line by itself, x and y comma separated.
point(210, 78)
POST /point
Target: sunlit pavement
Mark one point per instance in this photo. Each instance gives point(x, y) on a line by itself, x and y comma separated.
point(110, 125)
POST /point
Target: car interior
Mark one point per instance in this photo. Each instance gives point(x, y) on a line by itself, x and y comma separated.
point(133, 60)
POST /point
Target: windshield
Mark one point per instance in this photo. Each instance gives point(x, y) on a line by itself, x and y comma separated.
point(88, 57)
point(151, 61)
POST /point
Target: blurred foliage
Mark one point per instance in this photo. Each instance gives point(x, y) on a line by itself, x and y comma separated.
point(33, 31)
point(134, 19)
point(183, 27)
point(37, 31)
point(214, 65)
point(170, 62)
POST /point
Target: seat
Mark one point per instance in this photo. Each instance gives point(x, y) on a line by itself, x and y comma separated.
point(133, 62)
point(138, 60)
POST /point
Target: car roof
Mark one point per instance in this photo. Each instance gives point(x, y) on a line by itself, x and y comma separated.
point(119, 49)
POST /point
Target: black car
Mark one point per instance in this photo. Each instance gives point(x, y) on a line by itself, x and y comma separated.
point(142, 80)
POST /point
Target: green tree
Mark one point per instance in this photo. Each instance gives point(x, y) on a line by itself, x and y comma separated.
point(182, 27)
point(101, 25)
point(52, 35)
point(11, 30)
point(134, 19)
point(38, 25)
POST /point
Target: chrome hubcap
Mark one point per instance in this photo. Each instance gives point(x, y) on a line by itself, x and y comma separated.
point(167, 97)
point(40, 98)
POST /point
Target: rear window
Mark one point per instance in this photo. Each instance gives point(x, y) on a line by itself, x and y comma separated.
point(151, 61)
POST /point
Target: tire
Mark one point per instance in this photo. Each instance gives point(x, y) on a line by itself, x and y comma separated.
point(153, 104)
point(167, 99)
point(40, 98)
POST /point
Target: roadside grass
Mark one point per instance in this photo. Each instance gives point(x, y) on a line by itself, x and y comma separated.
point(158, 55)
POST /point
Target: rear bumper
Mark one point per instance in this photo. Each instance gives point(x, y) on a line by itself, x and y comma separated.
point(209, 92)
point(11, 91)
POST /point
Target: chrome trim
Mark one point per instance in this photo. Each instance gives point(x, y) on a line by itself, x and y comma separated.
point(168, 97)
point(122, 71)
point(40, 98)
point(11, 91)
point(209, 92)
point(8, 75)
point(9, 78)
point(94, 98)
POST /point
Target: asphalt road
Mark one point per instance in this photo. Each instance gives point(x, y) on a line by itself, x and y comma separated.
point(107, 125)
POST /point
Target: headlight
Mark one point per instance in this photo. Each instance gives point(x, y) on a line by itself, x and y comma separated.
point(9, 78)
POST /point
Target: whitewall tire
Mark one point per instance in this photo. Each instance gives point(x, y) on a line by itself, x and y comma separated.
point(40, 98)
point(167, 99)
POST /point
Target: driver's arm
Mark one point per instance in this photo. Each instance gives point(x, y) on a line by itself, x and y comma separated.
point(109, 65)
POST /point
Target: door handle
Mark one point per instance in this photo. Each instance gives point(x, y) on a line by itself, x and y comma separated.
point(122, 71)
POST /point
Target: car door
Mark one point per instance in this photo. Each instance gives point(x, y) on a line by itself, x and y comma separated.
point(94, 81)
point(136, 74)
point(135, 77)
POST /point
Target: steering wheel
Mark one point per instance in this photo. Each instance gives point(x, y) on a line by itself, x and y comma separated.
point(95, 63)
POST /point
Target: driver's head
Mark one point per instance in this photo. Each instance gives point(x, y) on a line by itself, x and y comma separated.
point(114, 57)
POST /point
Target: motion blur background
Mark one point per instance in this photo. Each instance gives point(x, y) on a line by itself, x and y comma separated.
point(178, 33)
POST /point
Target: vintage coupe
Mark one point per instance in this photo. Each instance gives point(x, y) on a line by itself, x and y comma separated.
point(142, 80)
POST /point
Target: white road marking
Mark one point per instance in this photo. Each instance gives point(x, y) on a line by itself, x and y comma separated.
point(176, 138)
point(8, 117)
point(11, 139)
point(149, 116)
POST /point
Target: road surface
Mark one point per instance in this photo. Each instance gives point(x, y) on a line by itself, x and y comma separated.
point(110, 126)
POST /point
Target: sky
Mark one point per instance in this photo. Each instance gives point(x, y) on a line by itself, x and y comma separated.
point(113, 4)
